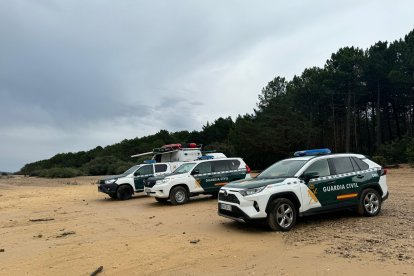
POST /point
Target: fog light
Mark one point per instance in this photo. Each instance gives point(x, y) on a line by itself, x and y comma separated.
point(256, 206)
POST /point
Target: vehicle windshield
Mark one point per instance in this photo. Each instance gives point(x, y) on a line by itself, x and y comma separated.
point(131, 170)
point(284, 168)
point(184, 168)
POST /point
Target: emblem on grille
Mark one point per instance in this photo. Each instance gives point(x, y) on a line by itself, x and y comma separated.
point(225, 193)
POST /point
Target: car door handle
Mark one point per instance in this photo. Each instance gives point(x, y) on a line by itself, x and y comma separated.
point(360, 176)
point(330, 182)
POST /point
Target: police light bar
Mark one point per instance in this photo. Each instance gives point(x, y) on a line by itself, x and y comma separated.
point(206, 157)
point(151, 161)
point(312, 152)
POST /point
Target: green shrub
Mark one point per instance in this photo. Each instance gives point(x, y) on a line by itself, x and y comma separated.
point(398, 151)
point(32, 173)
point(379, 159)
point(410, 152)
point(119, 167)
point(105, 165)
point(59, 173)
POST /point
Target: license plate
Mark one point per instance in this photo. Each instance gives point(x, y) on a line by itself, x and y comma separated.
point(226, 207)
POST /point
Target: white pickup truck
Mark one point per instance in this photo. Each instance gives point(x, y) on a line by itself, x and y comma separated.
point(123, 186)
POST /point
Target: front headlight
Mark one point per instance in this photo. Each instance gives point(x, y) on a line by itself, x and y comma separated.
point(162, 181)
point(252, 191)
point(110, 181)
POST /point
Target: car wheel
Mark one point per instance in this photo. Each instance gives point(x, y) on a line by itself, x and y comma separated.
point(161, 200)
point(215, 195)
point(178, 195)
point(282, 215)
point(113, 196)
point(370, 203)
point(124, 192)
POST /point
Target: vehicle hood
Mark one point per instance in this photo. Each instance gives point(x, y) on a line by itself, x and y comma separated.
point(112, 177)
point(170, 176)
point(253, 183)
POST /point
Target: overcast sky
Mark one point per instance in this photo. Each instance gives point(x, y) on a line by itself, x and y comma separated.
point(78, 74)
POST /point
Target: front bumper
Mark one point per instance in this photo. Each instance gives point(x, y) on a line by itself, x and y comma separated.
point(242, 208)
point(385, 197)
point(235, 213)
point(109, 189)
point(155, 192)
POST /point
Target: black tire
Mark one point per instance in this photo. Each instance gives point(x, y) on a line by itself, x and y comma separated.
point(161, 200)
point(113, 196)
point(282, 215)
point(124, 192)
point(215, 195)
point(178, 195)
point(369, 203)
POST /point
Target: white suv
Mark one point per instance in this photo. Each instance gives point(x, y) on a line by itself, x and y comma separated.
point(194, 178)
point(306, 185)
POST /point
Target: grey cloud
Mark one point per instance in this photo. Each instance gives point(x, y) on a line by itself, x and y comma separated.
point(77, 74)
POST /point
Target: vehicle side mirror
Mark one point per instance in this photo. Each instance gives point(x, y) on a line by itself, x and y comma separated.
point(309, 175)
point(195, 172)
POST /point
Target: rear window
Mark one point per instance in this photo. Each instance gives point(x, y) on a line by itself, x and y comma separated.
point(342, 165)
point(234, 164)
point(362, 165)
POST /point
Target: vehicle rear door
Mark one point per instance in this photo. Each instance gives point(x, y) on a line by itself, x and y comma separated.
point(235, 172)
point(221, 174)
point(347, 182)
point(214, 174)
point(363, 174)
point(141, 174)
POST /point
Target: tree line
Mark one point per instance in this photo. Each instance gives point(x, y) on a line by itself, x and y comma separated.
point(360, 101)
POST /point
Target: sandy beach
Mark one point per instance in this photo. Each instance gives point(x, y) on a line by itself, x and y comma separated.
point(65, 227)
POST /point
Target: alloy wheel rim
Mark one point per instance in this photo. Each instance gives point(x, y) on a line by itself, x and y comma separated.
point(371, 203)
point(284, 215)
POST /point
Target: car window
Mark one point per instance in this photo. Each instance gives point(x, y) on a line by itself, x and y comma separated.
point(184, 168)
point(204, 167)
point(131, 170)
point(354, 164)
point(362, 165)
point(160, 168)
point(220, 166)
point(233, 164)
point(319, 166)
point(146, 170)
point(342, 165)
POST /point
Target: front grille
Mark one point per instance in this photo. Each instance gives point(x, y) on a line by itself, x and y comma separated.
point(229, 198)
